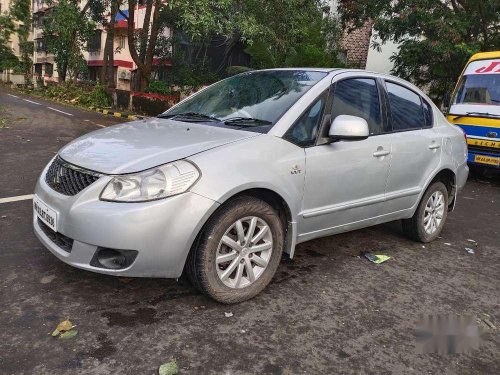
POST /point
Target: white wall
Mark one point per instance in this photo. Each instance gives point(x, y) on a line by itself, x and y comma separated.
point(380, 61)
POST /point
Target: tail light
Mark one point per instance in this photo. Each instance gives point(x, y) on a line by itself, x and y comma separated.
point(464, 133)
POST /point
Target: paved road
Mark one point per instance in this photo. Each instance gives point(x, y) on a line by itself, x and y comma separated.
point(326, 312)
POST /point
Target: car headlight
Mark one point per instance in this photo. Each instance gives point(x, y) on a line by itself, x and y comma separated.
point(156, 183)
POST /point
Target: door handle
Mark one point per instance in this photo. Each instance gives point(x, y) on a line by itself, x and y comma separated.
point(434, 146)
point(380, 153)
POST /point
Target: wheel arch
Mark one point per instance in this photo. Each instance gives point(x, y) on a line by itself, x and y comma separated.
point(269, 196)
point(449, 179)
point(279, 203)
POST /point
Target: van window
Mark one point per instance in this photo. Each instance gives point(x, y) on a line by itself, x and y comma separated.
point(479, 89)
point(358, 97)
point(406, 108)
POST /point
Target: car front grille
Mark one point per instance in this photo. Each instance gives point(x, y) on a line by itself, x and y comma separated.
point(59, 239)
point(68, 179)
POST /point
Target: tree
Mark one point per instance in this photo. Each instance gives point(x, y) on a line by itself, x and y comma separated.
point(436, 37)
point(289, 37)
point(20, 11)
point(104, 13)
point(16, 20)
point(8, 60)
point(68, 30)
point(197, 17)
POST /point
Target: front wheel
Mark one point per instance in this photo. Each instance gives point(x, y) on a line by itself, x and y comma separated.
point(238, 251)
point(428, 221)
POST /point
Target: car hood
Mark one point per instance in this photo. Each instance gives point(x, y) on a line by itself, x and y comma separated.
point(139, 145)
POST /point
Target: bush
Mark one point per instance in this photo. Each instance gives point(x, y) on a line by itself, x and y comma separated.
point(99, 97)
point(158, 87)
point(149, 106)
point(82, 93)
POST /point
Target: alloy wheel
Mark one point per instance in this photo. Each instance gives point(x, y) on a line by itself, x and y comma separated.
point(434, 212)
point(244, 252)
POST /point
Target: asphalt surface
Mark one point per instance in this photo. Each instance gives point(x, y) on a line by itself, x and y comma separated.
point(327, 312)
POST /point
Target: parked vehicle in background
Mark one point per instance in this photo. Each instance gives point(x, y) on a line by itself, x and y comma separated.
point(225, 181)
point(475, 107)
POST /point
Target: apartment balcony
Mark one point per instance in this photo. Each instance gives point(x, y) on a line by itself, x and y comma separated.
point(41, 7)
point(38, 34)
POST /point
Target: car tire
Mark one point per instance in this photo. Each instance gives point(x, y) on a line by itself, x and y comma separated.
point(417, 228)
point(222, 237)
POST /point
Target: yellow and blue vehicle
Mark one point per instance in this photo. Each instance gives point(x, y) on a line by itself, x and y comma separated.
point(475, 107)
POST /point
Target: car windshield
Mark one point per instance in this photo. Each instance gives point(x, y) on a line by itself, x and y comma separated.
point(479, 89)
point(251, 99)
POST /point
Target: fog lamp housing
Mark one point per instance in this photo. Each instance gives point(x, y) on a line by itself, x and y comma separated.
point(113, 259)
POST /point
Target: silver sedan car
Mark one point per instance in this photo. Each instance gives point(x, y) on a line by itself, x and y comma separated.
point(223, 183)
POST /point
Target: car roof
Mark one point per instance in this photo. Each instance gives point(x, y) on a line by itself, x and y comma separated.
point(485, 56)
point(325, 70)
point(328, 70)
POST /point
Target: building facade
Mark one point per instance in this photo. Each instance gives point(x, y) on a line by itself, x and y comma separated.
point(356, 48)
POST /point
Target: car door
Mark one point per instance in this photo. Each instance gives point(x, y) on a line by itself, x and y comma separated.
point(416, 146)
point(345, 180)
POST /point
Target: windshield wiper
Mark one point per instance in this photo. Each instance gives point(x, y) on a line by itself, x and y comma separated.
point(477, 113)
point(190, 116)
point(246, 121)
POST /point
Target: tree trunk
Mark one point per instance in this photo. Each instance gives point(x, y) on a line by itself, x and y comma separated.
point(144, 65)
point(61, 72)
point(108, 74)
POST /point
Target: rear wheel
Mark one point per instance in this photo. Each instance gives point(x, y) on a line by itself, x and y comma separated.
point(238, 251)
point(428, 221)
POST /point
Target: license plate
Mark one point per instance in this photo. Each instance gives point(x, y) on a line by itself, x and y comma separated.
point(45, 213)
point(490, 160)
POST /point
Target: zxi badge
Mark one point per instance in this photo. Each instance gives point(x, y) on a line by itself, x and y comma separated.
point(296, 169)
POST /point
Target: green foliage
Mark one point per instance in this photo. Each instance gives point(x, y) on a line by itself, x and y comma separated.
point(20, 23)
point(278, 33)
point(158, 87)
point(189, 76)
point(87, 94)
point(436, 37)
point(98, 97)
point(200, 18)
point(67, 31)
point(290, 37)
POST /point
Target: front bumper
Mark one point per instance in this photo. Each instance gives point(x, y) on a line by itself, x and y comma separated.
point(162, 232)
point(472, 160)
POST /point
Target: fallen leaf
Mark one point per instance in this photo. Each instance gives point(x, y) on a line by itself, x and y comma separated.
point(228, 314)
point(169, 368)
point(68, 334)
point(64, 326)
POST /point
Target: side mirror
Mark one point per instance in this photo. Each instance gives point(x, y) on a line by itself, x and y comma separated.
point(348, 127)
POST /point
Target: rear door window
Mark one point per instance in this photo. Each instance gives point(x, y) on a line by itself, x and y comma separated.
point(428, 114)
point(358, 97)
point(406, 108)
